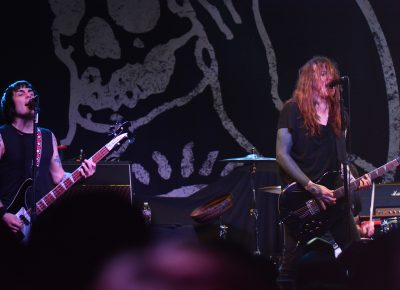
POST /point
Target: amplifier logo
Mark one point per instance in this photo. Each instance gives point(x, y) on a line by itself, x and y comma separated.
point(395, 193)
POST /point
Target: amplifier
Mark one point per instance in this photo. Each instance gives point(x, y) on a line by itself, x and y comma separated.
point(387, 212)
point(387, 200)
point(112, 177)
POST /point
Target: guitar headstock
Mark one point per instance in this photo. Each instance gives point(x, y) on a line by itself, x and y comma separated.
point(121, 128)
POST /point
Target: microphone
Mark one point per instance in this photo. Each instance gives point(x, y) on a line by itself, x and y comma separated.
point(33, 103)
point(337, 82)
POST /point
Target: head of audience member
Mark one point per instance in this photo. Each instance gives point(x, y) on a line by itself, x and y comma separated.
point(72, 239)
point(12, 261)
point(178, 266)
point(374, 264)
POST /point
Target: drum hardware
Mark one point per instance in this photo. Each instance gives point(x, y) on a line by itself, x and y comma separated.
point(276, 189)
point(252, 158)
point(223, 230)
point(213, 209)
point(390, 224)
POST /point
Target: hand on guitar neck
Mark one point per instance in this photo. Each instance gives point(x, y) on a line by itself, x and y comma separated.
point(87, 168)
point(364, 182)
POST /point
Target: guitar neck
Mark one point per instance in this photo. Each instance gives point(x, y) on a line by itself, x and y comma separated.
point(64, 185)
point(373, 174)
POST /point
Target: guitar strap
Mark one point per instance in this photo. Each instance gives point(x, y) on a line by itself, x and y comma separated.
point(38, 147)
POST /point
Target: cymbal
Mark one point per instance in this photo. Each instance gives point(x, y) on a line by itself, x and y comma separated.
point(213, 208)
point(250, 158)
point(271, 189)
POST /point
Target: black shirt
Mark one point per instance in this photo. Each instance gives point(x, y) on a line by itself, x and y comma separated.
point(315, 155)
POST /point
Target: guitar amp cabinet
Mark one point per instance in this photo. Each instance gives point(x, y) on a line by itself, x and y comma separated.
point(386, 203)
point(113, 177)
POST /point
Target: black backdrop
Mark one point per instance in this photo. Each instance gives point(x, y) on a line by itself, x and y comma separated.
point(199, 80)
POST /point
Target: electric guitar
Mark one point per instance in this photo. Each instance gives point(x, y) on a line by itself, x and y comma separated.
point(302, 213)
point(20, 199)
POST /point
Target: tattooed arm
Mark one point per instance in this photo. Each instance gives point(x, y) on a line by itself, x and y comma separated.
point(56, 170)
point(87, 168)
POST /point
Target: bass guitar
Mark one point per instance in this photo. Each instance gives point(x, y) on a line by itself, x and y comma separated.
point(19, 203)
point(302, 213)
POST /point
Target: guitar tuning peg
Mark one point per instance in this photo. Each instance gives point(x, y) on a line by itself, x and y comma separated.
point(114, 129)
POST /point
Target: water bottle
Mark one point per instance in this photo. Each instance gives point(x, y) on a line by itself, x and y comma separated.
point(146, 213)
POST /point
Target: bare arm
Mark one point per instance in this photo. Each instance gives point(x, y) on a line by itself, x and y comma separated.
point(56, 169)
point(284, 144)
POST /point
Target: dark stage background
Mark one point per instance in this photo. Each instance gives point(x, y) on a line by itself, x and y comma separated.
point(201, 81)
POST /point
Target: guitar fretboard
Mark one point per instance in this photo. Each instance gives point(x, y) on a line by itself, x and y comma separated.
point(75, 176)
point(373, 174)
point(64, 185)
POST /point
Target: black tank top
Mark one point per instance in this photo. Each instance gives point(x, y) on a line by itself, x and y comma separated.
point(15, 164)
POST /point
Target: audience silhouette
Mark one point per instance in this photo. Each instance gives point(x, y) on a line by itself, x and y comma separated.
point(99, 241)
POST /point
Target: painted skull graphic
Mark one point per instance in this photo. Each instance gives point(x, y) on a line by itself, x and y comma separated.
point(125, 75)
point(126, 58)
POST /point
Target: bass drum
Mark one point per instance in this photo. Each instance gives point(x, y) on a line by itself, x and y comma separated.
point(390, 224)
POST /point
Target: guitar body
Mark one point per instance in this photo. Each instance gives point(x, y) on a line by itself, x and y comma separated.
point(19, 205)
point(301, 212)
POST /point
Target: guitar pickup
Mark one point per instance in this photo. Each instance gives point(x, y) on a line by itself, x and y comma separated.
point(24, 219)
point(312, 207)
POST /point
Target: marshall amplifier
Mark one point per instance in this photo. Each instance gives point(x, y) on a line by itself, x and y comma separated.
point(387, 200)
point(113, 177)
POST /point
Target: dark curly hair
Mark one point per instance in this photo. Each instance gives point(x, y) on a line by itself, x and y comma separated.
point(7, 103)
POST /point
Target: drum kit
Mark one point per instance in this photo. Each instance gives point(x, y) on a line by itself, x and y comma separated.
point(215, 208)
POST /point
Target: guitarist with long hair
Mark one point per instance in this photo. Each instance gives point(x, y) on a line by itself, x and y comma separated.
point(16, 141)
point(309, 134)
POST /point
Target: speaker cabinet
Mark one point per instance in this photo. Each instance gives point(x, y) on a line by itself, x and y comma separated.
point(113, 177)
point(386, 203)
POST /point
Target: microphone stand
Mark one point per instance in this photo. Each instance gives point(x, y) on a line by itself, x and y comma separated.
point(344, 160)
point(35, 164)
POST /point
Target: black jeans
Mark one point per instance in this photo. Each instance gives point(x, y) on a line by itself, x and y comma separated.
point(343, 231)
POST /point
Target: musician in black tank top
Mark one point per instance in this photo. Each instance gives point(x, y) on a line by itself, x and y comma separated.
point(16, 151)
point(309, 129)
point(15, 164)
